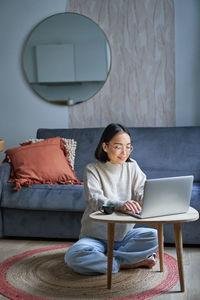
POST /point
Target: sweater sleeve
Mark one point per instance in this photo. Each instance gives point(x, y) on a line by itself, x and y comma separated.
point(94, 194)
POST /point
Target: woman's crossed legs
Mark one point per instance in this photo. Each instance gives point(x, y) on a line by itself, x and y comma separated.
point(88, 256)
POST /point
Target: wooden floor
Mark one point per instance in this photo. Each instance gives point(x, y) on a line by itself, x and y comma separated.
point(10, 247)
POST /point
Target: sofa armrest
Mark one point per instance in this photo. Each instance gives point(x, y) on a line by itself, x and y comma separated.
point(4, 175)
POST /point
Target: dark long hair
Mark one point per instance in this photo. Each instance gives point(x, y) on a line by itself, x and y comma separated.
point(109, 132)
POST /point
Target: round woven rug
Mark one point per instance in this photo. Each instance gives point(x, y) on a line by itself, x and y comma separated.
point(42, 274)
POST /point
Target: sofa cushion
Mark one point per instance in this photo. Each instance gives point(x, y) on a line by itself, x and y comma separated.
point(42, 162)
point(167, 152)
point(44, 197)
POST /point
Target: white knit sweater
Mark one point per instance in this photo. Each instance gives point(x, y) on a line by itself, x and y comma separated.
point(110, 183)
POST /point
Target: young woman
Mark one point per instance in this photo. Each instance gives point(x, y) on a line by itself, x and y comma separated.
point(114, 179)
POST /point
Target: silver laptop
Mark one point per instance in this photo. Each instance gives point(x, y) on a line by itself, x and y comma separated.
point(166, 196)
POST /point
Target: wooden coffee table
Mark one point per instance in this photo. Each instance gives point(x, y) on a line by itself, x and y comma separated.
point(158, 222)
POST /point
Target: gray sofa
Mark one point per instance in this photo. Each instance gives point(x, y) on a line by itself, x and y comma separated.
point(55, 211)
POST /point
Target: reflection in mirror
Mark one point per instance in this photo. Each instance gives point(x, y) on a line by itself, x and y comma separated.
point(67, 58)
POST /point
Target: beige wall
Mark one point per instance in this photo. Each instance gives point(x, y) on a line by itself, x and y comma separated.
point(140, 89)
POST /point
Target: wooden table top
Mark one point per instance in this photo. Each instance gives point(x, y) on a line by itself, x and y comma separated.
point(118, 217)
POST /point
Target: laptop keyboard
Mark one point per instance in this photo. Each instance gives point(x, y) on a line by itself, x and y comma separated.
point(130, 213)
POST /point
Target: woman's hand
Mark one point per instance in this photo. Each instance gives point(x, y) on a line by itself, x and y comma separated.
point(133, 206)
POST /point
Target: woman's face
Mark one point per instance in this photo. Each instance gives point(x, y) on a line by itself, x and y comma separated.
point(119, 148)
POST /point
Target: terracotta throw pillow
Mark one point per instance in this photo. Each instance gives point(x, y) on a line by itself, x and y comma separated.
point(70, 144)
point(45, 162)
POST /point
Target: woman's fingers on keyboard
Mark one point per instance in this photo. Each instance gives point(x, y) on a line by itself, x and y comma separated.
point(137, 204)
point(132, 206)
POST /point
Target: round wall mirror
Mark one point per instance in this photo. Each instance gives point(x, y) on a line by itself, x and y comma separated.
point(66, 58)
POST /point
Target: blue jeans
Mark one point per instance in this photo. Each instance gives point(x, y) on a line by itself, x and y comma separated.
point(88, 255)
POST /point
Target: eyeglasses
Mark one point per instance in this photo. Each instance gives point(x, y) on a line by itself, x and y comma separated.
point(120, 148)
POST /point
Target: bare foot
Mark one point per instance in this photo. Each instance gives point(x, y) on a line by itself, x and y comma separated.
point(146, 263)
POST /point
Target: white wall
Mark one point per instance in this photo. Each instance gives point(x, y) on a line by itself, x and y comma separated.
point(21, 110)
point(187, 57)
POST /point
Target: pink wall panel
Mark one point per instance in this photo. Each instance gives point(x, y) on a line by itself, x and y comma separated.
point(140, 89)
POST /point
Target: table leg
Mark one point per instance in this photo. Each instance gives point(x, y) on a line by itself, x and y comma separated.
point(161, 246)
point(179, 252)
point(111, 233)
